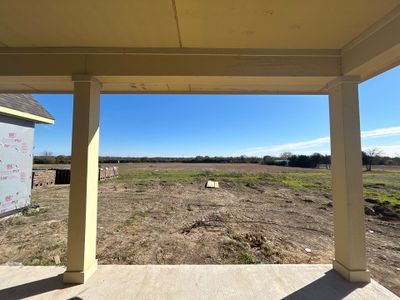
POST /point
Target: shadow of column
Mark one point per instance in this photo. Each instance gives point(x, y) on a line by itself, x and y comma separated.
point(329, 287)
point(34, 288)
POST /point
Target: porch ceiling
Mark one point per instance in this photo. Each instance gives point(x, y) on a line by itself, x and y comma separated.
point(300, 24)
point(192, 46)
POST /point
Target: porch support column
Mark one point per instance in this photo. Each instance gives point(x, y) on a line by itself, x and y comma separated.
point(82, 221)
point(348, 204)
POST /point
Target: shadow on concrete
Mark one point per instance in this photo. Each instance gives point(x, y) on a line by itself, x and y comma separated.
point(329, 287)
point(34, 288)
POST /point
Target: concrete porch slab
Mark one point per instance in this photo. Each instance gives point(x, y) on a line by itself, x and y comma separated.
point(188, 282)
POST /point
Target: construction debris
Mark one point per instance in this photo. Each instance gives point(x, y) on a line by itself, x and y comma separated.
point(57, 260)
point(108, 172)
point(43, 177)
point(62, 175)
point(212, 184)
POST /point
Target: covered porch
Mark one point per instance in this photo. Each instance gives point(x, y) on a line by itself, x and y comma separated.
point(312, 47)
point(189, 282)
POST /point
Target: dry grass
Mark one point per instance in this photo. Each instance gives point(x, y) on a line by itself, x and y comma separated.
point(162, 214)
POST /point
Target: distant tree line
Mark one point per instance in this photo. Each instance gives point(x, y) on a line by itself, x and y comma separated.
point(51, 159)
point(61, 159)
point(197, 159)
point(369, 158)
point(310, 161)
point(299, 161)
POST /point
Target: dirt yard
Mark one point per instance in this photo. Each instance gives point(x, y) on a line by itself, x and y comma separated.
point(163, 214)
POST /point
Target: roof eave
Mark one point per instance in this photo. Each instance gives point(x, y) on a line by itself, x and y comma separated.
point(26, 116)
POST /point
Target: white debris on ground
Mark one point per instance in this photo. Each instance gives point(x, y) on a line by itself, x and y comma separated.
point(212, 184)
point(57, 260)
point(308, 250)
point(13, 264)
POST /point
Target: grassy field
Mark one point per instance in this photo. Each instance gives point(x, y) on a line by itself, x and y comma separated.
point(381, 186)
point(163, 214)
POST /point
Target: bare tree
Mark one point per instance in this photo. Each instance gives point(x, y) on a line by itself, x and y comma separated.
point(47, 153)
point(369, 156)
point(286, 155)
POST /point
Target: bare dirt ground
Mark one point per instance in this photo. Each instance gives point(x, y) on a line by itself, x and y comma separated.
point(163, 214)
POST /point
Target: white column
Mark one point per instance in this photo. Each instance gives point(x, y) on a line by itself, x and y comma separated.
point(348, 204)
point(82, 221)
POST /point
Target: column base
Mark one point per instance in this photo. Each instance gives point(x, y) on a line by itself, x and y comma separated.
point(79, 277)
point(351, 275)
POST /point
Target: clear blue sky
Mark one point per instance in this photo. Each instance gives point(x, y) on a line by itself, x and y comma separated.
point(190, 125)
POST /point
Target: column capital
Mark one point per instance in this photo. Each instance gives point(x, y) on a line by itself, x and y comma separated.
point(343, 79)
point(85, 78)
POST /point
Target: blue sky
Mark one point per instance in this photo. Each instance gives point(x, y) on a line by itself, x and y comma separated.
point(190, 125)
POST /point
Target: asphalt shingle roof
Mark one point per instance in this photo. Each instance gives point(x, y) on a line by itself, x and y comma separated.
point(25, 103)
